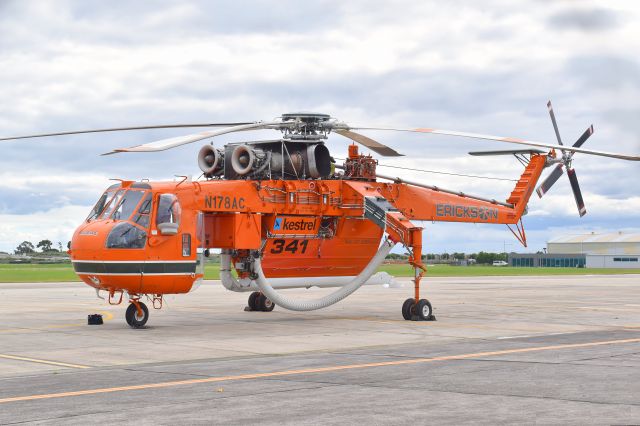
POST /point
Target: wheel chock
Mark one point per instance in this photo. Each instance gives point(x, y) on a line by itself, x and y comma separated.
point(94, 319)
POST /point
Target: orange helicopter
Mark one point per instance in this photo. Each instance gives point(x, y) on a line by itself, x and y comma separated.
point(285, 215)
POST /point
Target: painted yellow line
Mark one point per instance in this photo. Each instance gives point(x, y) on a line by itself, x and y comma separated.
point(312, 370)
point(43, 361)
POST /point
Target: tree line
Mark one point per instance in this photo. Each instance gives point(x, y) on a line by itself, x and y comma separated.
point(45, 246)
point(481, 257)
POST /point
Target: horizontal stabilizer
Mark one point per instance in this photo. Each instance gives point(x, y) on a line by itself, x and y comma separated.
point(508, 152)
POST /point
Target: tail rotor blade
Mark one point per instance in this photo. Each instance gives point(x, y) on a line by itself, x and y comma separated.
point(582, 139)
point(553, 121)
point(550, 180)
point(577, 194)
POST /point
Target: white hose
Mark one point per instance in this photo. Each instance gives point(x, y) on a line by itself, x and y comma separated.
point(228, 280)
point(328, 300)
point(247, 284)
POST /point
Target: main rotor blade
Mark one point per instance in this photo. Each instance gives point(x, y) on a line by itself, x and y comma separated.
point(122, 129)
point(504, 139)
point(169, 143)
point(577, 194)
point(530, 151)
point(553, 121)
point(550, 180)
point(369, 143)
point(582, 139)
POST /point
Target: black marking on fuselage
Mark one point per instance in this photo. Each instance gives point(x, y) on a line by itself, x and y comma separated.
point(134, 268)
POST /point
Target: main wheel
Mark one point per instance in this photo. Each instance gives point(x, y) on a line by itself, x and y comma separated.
point(407, 306)
point(134, 319)
point(253, 301)
point(424, 309)
point(264, 304)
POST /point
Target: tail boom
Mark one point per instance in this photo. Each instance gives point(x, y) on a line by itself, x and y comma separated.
point(429, 203)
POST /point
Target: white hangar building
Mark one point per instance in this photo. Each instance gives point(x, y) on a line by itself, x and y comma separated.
point(610, 250)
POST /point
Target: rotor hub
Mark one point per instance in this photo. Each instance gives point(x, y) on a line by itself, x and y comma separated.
point(308, 125)
point(307, 117)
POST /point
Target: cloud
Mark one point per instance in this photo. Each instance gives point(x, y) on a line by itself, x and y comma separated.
point(21, 194)
point(590, 20)
point(56, 224)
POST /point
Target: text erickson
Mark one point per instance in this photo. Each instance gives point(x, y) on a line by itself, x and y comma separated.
point(471, 212)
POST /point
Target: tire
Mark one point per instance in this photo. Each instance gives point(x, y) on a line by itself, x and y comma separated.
point(132, 317)
point(264, 304)
point(424, 310)
point(406, 309)
point(268, 304)
point(253, 301)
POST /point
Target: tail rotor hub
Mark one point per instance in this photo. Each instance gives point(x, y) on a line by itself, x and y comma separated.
point(566, 160)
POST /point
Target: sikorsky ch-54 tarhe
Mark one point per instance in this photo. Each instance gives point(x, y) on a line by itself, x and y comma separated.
point(285, 215)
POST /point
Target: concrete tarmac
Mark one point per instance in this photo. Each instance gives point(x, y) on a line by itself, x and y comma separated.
point(525, 350)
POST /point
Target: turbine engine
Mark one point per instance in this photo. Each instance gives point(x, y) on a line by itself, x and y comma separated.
point(211, 161)
point(266, 160)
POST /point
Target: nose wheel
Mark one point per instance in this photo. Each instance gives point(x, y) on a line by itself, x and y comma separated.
point(137, 314)
point(259, 302)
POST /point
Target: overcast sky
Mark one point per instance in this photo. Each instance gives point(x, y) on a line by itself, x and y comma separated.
point(486, 67)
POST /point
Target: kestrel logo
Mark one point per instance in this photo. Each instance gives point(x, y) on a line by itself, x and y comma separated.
point(294, 224)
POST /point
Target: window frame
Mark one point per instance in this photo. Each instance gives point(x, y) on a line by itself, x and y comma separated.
point(156, 210)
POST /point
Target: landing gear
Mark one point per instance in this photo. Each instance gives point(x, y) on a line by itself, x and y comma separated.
point(259, 302)
point(252, 301)
point(407, 308)
point(416, 309)
point(137, 314)
point(265, 304)
point(424, 311)
point(421, 311)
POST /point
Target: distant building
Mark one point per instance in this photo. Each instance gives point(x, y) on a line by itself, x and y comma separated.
point(610, 250)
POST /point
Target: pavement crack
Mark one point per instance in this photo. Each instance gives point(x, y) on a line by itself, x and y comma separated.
point(514, 395)
point(608, 357)
point(170, 373)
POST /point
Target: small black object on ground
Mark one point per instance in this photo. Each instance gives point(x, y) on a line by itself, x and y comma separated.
point(95, 319)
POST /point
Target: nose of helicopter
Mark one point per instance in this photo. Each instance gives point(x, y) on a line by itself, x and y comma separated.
point(88, 239)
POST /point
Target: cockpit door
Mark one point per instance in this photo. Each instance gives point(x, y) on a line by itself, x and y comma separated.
point(171, 262)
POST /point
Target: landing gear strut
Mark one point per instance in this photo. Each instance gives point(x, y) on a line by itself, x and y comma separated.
point(416, 309)
point(401, 230)
point(259, 302)
point(137, 314)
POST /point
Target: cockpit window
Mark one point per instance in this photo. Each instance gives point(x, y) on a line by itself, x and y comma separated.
point(169, 210)
point(126, 236)
point(127, 205)
point(115, 200)
point(142, 216)
point(102, 201)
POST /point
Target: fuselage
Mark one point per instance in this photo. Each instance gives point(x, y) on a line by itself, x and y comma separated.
point(150, 237)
